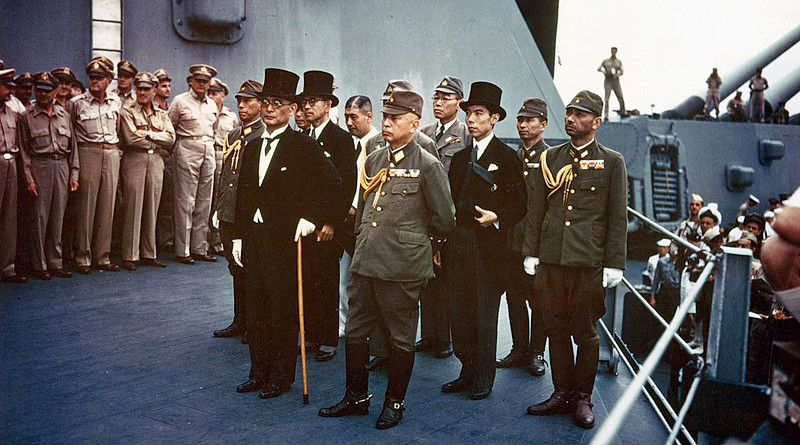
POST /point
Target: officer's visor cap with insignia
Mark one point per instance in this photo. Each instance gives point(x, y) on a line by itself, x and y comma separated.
point(126, 67)
point(24, 80)
point(145, 80)
point(162, 75)
point(7, 77)
point(99, 67)
point(587, 101)
point(403, 101)
point(203, 71)
point(451, 85)
point(218, 85)
point(398, 84)
point(44, 81)
point(64, 75)
point(533, 107)
point(249, 89)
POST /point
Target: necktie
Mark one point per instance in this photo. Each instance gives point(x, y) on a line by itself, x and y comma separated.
point(440, 133)
point(314, 133)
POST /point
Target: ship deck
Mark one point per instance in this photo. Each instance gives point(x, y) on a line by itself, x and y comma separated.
point(128, 357)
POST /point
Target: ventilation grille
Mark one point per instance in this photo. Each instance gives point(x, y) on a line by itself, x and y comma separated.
point(664, 177)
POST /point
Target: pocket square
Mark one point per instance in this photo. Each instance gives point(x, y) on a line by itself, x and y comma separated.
point(283, 169)
point(493, 167)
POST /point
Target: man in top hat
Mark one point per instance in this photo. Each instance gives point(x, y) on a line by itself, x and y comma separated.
point(95, 115)
point(65, 78)
point(424, 141)
point(287, 188)
point(165, 226)
point(577, 249)
point(403, 201)
point(9, 149)
point(744, 209)
point(145, 130)
point(224, 216)
point(488, 189)
point(528, 335)
point(23, 90)
point(125, 75)
point(51, 167)
point(194, 114)
point(226, 121)
point(611, 69)
point(450, 135)
point(322, 255)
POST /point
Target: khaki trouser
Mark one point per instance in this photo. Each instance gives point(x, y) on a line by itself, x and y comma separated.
point(142, 179)
point(612, 83)
point(193, 181)
point(52, 182)
point(8, 215)
point(97, 192)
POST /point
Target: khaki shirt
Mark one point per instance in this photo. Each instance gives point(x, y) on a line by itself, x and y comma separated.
point(96, 122)
point(192, 117)
point(150, 131)
point(128, 99)
point(8, 130)
point(40, 134)
point(226, 122)
point(611, 67)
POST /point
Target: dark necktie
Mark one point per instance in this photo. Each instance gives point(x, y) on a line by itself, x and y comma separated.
point(440, 133)
point(268, 148)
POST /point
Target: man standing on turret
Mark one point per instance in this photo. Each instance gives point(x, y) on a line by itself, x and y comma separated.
point(612, 69)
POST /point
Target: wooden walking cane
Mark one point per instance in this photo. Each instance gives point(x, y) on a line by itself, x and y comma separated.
point(300, 313)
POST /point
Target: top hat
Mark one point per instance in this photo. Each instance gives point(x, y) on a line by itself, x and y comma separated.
point(279, 83)
point(486, 94)
point(319, 83)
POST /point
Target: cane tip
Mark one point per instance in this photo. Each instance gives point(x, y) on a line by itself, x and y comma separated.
point(305, 399)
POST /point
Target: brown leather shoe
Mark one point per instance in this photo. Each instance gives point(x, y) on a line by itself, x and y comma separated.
point(83, 270)
point(61, 273)
point(185, 260)
point(129, 265)
point(583, 415)
point(204, 257)
point(517, 357)
point(42, 275)
point(558, 403)
point(19, 279)
point(110, 267)
point(153, 262)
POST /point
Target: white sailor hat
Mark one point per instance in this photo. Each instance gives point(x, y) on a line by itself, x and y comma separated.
point(664, 242)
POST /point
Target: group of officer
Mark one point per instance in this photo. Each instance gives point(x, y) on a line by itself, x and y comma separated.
point(445, 217)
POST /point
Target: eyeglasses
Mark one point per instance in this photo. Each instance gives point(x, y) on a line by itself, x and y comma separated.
point(276, 103)
point(310, 101)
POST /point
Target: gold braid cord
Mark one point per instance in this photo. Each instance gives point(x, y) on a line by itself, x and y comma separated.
point(368, 183)
point(563, 178)
point(232, 148)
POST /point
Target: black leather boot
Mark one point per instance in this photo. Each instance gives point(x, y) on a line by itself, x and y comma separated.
point(356, 397)
point(399, 375)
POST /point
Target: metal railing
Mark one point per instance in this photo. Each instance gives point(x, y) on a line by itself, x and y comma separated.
point(613, 423)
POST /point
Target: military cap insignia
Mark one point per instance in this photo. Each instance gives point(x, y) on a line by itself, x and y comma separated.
point(577, 101)
point(391, 99)
point(389, 89)
point(96, 66)
point(444, 82)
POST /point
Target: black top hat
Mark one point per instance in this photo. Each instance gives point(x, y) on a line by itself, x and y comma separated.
point(319, 83)
point(280, 83)
point(486, 94)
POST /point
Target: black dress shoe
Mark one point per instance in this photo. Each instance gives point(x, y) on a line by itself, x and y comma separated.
point(61, 273)
point(153, 262)
point(204, 257)
point(19, 279)
point(583, 415)
point(185, 260)
point(538, 364)
point(244, 338)
point(110, 267)
point(272, 390)
point(558, 403)
point(83, 270)
point(516, 357)
point(350, 405)
point(460, 384)
point(422, 345)
point(445, 352)
point(129, 265)
point(249, 386)
point(324, 356)
point(233, 330)
point(480, 394)
point(377, 363)
point(42, 275)
point(391, 415)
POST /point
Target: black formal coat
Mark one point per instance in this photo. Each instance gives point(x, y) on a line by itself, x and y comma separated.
point(337, 145)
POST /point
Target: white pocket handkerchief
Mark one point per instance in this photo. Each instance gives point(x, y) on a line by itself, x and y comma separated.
point(283, 169)
point(493, 167)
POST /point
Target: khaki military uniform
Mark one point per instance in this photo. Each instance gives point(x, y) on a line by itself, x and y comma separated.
point(96, 126)
point(128, 99)
point(144, 134)
point(8, 190)
point(50, 159)
point(195, 162)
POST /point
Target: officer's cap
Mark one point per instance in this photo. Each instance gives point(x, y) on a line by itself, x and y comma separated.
point(162, 75)
point(24, 80)
point(533, 107)
point(126, 67)
point(44, 81)
point(451, 85)
point(398, 84)
point(587, 101)
point(64, 75)
point(403, 101)
point(145, 80)
point(100, 66)
point(202, 71)
point(7, 76)
point(218, 85)
point(250, 88)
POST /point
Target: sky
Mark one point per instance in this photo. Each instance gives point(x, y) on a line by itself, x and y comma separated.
point(669, 47)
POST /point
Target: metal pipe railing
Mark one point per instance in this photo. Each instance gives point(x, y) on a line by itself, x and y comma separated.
point(614, 421)
point(675, 238)
point(678, 339)
point(673, 435)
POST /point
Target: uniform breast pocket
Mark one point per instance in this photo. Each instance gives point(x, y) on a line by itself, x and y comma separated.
point(63, 136)
point(110, 119)
point(40, 138)
point(89, 120)
point(593, 193)
point(413, 238)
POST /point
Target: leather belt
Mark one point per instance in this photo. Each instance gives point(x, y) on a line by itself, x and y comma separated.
point(8, 155)
point(197, 138)
point(102, 145)
point(53, 156)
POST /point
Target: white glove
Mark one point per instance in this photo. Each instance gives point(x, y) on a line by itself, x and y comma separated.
point(236, 252)
point(304, 227)
point(529, 264)
point(611, 277)
point(215, 221)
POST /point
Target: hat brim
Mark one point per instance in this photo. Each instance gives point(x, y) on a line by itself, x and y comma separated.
point(128, 73)
point(247, 95)
point(334, 100)
point(582, 108)
point(532, 114)
point(44, 87)
point(290, 97)
point(492, 107)
point(448, 90)
point(393, 110)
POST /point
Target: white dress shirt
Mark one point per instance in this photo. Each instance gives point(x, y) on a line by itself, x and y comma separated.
point(264, 160)
point(483, 143)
